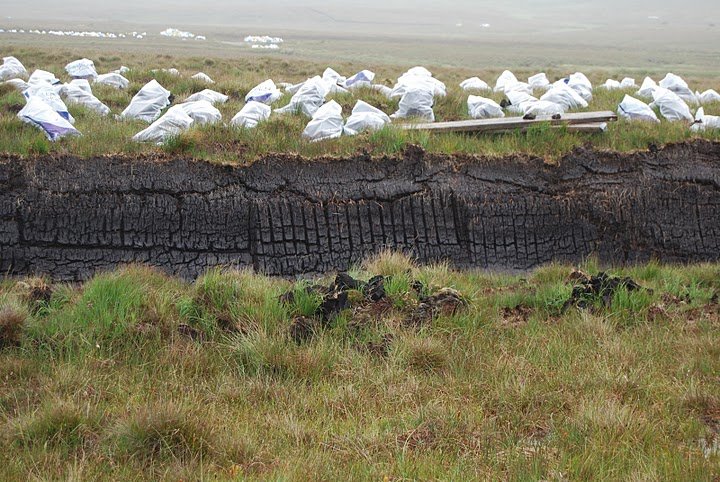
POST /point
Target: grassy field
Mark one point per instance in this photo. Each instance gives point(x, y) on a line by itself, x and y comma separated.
point(282, 133)
point(134, 375)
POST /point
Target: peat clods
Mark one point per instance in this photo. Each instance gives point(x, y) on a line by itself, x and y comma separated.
point(590, 291)
point(368, 302)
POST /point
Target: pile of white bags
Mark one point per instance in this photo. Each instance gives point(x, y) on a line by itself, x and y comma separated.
point(148, 102)
point(308, 99)
point(11, 68)
point(41, 115)
point(363, 78)
point(474, 83)
point(677, 85)
point(671, 106)
point(251, 115)
point(265, 92)
point(365, 117)
point(81, 69)
point(202, 77)
point(633, 109)
point(113, 80)
point(580, 84)
point(563, 95)
point(175, 121)
point(519, 101)
point(209, 95)
point(483, 108)
point(201, 111)
point(703, 122)
point(326, 123)
point(79, 92)
point(416, 103)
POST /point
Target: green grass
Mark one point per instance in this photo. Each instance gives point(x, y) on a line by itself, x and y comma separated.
point(282, 133)
point(104, 384)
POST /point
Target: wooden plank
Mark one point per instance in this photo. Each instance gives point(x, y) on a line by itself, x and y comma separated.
point(593, 128)
point(512, 123)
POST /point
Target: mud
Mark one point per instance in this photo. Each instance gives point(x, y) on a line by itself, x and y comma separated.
point(69, 218)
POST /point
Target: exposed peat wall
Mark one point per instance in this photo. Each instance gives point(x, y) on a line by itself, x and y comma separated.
point(69, 217)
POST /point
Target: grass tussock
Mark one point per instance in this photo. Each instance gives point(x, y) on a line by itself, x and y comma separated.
point(136, 375)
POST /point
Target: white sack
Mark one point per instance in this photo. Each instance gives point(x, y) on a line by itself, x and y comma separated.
point(474, 83)
point(383, 89)
point(308, 98)
point(539, 81)
point(265, 92)
point(203, 77)
point(148, 102)
point(647, 88)
point(703, 122)
point(365, 117)
point(38, 113)
point(519, 100)
point(542, 107)
point(565, 96)
point(122, 70)
point(169, 125)
point(418, 78)
point(251, 115)
point(19, 84)
point(362, 79)
point(676, 84)
point(327, 123)
point(628, 83)
point(209, 95)
point(505, 79)
point(113, 80)
point(416, 103)
point(50, 96)
point(708, 96)
point(633, 109)
point(672, 107)
point(483, 108)
point(80, 93)
point(201, 111)
point(611, 84)
point(81, 69)
point(11, 68)
point(43, 77)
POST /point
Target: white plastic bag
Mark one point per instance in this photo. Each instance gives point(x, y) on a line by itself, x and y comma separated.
point(38, 113)
point(148, 102)
point(79, 92)
point(708, 96)
point(633, 109)
point(327, 123)
point(333, 81)
point(122, 70)
point(611, 84)
point(519, 100)
point(418, 78)
point(647, 88)
point(383, 89)
point(565, 96)
point(542, 108)
point(676, 84)
point(50, 96)
point(113, 80)
point(474, 83)
point(11, 68)
point(209, 95)
point(251, 115)
point(265, 92)
point(581, 84)
point(201, 111)
point(483, 108)
point(365, 117)
point(308, 98)
point(539, 81)
point(175, 121)
point(416, 103)
point(628, 83)
point(671, 106)
point(42, 77)
point(19, 84)
point(202, 77)
point(505, 79)
point(703, 122)
point(81, 69)
point(362, 79)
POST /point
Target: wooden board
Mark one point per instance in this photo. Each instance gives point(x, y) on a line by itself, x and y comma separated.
point(513, 123)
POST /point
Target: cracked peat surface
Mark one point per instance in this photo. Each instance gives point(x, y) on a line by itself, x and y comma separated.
point(283, 215)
